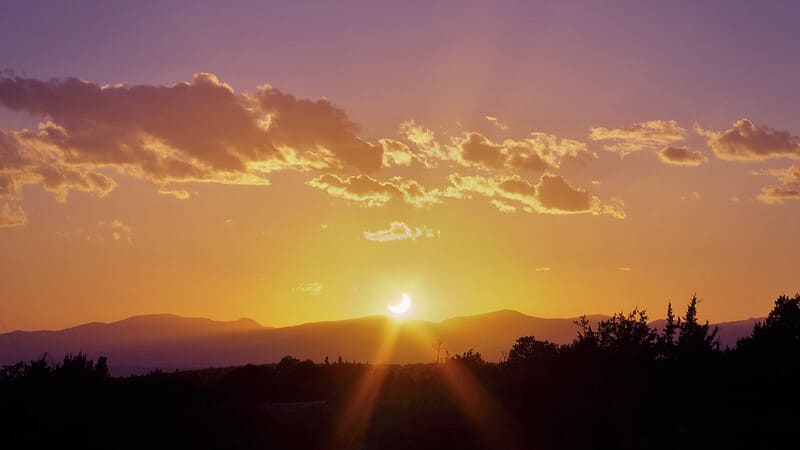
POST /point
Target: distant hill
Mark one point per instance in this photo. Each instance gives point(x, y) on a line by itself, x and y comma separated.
point(141, 343)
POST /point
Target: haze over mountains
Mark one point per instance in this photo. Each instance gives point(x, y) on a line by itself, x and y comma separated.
point(166, 341)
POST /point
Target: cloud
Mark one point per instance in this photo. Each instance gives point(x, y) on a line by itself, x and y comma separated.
point(693, 196)
point(638, 136)
point(624, 269)
point(681, 156)
point(428, 151)
point(101, 232)
point(311, 289)
point(789, 189)
point(396, 153)
point(789, 175)
point(776, 195)
point(180, 194)
point(537, 153)
point(120, 231)
point(555, 194)
point(503, 207)
point(399, 231)
point(551, 195)
point(12, 216)
point(204, 131)
point(316, 126)
point(496, 122)
point(201, 131)
point(23, 162)
point(368, 192)
point(745, 141)
point(543, 269)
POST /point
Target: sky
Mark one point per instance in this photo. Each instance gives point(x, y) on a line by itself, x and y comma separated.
point(303, 161)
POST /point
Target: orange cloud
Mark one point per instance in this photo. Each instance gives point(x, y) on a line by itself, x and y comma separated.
point(399, 231)
point(428, 151)
point(23, 162)
point(537, 153)
point(201, 131)
point(638, 136)
point(745, 141)
point(314, 126)
point(789, 188)
point(496, 122)
point(12, 216)
point(551, 195)
point(503, 207)
point(368, 192)
point(778, 194)
point(180, 194)
point(205, 132)
point(681, 156)
point(120, 231)
point(396, 153)
point(312, 289)
point(100, 232)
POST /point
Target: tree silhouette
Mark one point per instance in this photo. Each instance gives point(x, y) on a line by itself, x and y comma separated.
point(666, 340)
point(529, 350)
point(779, 334)
point(695, 338)
point(624, 335)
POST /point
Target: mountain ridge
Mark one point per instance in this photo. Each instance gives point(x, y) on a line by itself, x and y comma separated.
point(170, 341)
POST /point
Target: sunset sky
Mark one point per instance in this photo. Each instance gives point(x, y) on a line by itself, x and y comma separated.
point(311, 161)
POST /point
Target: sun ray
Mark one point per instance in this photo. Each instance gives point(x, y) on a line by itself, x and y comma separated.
point(351, 428)
point(494, 425)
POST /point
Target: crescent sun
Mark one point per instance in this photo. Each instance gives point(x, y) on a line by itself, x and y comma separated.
point(402, 307)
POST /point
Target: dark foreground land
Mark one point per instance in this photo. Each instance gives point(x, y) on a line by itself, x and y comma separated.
point(622, 385)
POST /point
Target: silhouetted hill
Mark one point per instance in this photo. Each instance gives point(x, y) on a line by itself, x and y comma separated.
point(166, 341)
point(130, 340)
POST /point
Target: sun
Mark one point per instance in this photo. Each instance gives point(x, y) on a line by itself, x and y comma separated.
point(401, 309)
